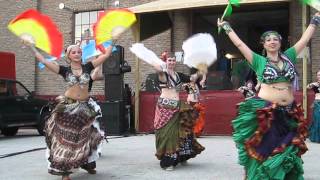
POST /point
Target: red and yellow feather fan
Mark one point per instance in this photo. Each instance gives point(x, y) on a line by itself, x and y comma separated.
point(39, 30)
point(112, 23)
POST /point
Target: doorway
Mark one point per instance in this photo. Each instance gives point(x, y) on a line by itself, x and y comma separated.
point(249, 22)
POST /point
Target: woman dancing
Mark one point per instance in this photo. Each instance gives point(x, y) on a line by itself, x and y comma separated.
point(248, 90)
point(73, 134)
point(193, 99)
point(270, 130)
point(174, 119)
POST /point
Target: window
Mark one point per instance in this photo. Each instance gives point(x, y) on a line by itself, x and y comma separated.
point(3, 88)
point(84, 24)
point(19, 90)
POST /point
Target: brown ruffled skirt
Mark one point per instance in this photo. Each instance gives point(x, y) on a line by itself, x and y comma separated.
point(71, 135)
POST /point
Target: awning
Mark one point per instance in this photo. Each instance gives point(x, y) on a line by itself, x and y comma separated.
point(166, 5)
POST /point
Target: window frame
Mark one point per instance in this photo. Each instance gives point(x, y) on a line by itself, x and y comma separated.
point(80, 27)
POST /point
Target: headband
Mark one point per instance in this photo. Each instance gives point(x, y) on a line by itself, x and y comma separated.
point(69, 49)
point(268, 33)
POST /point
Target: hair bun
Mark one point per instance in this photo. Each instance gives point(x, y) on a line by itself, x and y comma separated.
point(164, 56)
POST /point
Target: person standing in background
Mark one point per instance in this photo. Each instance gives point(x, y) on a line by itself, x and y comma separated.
point(315, 125)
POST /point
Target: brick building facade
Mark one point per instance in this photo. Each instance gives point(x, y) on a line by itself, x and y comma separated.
point(183, 25)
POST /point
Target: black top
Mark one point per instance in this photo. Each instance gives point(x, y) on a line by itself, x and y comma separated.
point(249, 93)
point(72, 79)
point(316, 89)
point(90, 84)
point(172, 83)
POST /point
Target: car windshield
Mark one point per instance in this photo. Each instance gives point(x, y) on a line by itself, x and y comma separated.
point(3, 88)
point(16, 89)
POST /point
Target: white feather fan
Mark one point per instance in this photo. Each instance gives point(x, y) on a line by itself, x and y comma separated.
point(145, 54)
point(200, 51)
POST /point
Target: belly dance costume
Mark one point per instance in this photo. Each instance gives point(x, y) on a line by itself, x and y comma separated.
point(248, 93)
point(193, 90)
point(73, 135)
point(271, 138)
point(173, 123)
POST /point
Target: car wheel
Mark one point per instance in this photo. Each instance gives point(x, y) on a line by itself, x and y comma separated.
point(11, 131)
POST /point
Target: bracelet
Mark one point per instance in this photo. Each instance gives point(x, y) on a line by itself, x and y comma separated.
point(315, 20)
point(226, 27)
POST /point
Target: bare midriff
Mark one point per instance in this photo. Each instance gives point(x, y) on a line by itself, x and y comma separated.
point(77, 93)
point(317, 96)
point(169, 93)
point(193, 98)
point(280, 93)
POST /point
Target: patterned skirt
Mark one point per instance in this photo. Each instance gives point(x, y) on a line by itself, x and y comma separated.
point(270, 139)
point(315, 125)
point(73, 135)
point(175, 140)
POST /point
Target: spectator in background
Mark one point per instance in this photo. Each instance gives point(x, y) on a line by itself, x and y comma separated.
point(315, 125)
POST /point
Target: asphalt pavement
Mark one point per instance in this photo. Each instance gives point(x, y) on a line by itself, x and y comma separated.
point(132, 158)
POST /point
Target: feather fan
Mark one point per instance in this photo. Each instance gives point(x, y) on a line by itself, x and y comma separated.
point(145, 54)
point(200, 51)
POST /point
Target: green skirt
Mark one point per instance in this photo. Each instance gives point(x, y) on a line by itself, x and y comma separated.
point(171, 138)
point(254, 121)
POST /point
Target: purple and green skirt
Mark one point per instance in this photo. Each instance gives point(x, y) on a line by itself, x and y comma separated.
point(270, 139)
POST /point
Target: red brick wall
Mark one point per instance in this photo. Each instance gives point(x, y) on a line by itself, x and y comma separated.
point(25, 64)
point(46, 83)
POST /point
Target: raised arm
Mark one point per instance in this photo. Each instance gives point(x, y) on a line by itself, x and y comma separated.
point(244, 49)
point(96, 74)
point(149, 56)
point(158, 64)
point(102, 57)
point(203, 80)
point(257, 87)
point(158, 67)
point(49, 64)
point(306, 36)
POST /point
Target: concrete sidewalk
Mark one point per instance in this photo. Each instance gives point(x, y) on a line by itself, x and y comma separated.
point(132, 158)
